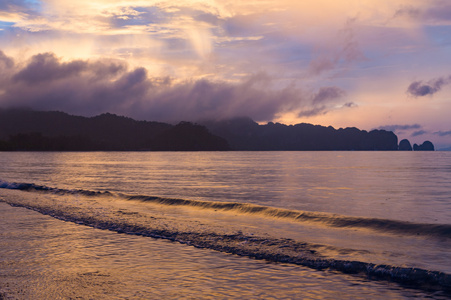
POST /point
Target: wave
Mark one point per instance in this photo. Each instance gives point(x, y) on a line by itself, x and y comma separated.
point(333, 220)
point(274, 249)
point(327, 219)
point(279, 250)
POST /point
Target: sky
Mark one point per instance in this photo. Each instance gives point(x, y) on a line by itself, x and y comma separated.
point(370, 64)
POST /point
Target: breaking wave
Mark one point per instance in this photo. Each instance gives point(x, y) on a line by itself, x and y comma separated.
point(274, 249)
point(327, 219)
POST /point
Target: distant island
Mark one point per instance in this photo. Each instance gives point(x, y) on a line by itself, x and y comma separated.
point(28, 130)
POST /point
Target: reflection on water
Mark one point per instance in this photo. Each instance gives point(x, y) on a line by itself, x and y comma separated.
point(44, 258)
point(409, 186)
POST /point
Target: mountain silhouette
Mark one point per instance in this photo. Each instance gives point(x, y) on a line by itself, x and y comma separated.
point(245, 134)
point(30, 130)
point(52, 130)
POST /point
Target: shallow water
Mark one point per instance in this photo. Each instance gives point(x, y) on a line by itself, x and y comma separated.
point(341, 206)
point(410, 186)
point(45, 258)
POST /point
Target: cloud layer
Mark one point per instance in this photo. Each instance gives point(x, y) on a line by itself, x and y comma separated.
point(92, 87)
point(340, 63)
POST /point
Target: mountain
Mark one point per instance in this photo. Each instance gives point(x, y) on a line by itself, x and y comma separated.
point(245, 134)
point(59, 131)
point(52, 130)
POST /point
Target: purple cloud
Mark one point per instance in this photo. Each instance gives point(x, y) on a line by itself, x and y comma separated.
point(7, 62)
point(434, 12)
point(93, 87)
point(320, 110)
point(420, 88)
point(419, 132)
point(443, 133)
point(395, 128)
point(326, 94)
point(408, 10)
point(46, 66)
point(324, 101)
point(350, 104)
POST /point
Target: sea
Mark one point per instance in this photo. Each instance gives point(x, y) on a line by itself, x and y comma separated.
point(225, 225)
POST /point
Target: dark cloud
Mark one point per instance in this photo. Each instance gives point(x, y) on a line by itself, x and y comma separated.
point(326, 94)
point(6, 61)
point(439, 12)
point(320, 110)
point(350, 104)
point(408, 10)
point(435, 12)
point(420, 88)
point(323, 101)
point(92, 87)
point(419, 132)
point(443, 133)
point(395, 128)
point(205, 99)
point(46, 66)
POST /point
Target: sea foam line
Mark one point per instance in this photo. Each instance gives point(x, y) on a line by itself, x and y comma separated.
point(327, 219)
point(271, 249)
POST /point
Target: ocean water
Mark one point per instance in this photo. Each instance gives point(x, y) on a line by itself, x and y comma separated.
point(222, 225)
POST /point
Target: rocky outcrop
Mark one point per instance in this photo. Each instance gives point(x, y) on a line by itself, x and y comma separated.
point(426, 146)
point(404, 145)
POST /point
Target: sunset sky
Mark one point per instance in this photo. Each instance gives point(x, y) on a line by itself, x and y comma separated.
point(366, 63)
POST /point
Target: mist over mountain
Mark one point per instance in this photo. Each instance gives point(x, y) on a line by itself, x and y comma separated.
point(51, 130)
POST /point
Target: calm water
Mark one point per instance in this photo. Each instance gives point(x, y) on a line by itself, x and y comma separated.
point(343, 193)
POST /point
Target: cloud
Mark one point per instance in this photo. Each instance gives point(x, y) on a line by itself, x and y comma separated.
point(326, 94)
point(89, 87)
point(419, 132)
point(350, 105)
point(22, 6)
point(420, 88)
point(395, 128)
point(437, 12)
point(443, 133)
point(320, 110)
point(46, 66)
point(199, 59)
point(345, 52)
point(407, 10)
point(324, 101)
point(7, 62)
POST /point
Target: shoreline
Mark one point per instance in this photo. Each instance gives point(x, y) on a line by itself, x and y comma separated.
point(122, 266)
point(274, 250)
